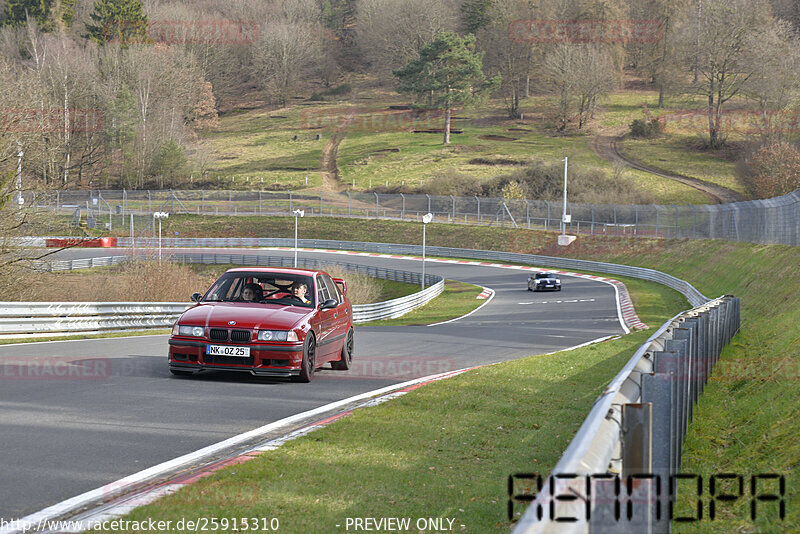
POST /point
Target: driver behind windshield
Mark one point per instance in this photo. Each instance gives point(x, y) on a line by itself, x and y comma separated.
point(299, 290)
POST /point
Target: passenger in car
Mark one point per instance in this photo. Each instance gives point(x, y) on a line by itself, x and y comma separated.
point(299, 290)
point(252, 293)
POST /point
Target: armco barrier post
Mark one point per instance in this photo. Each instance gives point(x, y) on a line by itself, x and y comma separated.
point(657, 391)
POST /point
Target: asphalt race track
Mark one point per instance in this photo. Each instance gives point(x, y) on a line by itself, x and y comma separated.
point(62, 436)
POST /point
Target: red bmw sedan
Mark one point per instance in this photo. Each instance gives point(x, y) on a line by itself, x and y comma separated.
point(268, 322)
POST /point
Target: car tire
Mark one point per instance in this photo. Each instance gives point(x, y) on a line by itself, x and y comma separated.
point(559, 289)
point(178, 372)
point(347, 353)
point(309, 364)
point(530, 288)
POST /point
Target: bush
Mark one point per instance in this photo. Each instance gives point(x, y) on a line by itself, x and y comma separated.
point(773, 169)
point(545, 181)
point(452, 182)
point(647, 128)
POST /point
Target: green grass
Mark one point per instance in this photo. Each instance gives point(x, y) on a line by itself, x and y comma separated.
point(257, 145)
point(457, 299)
point(431, 453)
point(676, 153)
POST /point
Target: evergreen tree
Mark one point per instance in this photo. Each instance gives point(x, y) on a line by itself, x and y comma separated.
point(18, 11)
point(121, 21)
point(475, 14)
point(447, 73)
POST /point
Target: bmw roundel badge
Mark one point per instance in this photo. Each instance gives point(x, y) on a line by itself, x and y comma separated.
point(231, 323)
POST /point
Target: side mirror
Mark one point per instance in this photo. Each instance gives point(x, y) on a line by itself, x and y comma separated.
point(328, 304)
point(196, 297)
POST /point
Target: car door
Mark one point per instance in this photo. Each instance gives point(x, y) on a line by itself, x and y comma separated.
point(325, 344)
point(341, 316)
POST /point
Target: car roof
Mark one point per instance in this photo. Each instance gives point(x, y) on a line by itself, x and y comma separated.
point(278, 270)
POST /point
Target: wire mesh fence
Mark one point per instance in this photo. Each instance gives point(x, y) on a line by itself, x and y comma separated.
point(770, 221)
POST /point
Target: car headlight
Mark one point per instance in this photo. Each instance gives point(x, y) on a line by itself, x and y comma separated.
point(191, 331)
point(277, 335)
point(558, 280)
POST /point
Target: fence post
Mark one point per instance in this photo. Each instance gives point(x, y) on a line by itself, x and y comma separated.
point(290, 201)
point(504, 213)
point(149, 202)
point(230, 200)
point(403, 211)
point(657, 214)
point(547, 220)
point(676, 222)
point(320, 202)
point(527, 214)
point(479, 209)
point(348, 203)
point(429, 202)
point(616, 230)
point(260, 211)
point(694, 223)
point(454, 207)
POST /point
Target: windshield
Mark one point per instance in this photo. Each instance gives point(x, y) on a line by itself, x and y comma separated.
point(263, 288)
point(545, 275)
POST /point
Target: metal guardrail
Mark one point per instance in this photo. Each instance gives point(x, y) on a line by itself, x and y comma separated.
point(633, 434)
point(769, 221)
point(32, 319)
point(694, 296)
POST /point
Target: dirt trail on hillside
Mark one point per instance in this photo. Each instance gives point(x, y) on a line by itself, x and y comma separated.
point(329, 170)
point(607, 147)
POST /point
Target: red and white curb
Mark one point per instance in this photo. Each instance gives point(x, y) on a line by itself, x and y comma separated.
point(118, 498)
point(625, 310)
point(485, 294)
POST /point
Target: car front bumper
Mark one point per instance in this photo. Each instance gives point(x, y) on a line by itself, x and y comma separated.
point(264, 360)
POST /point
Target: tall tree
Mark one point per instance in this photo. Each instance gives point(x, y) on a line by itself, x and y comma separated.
point(448, 72)
point(721, 44)
point(18, 11)
point(121, 21)
point(475, 15)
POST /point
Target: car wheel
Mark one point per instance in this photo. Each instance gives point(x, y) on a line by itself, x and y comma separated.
point(309, 364)
point(176, 372)
point(347, 353)
point(559, 289)
point(530, 288)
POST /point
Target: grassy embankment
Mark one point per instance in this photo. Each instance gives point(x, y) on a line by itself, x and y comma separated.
point(378, 147)
point(438, 440)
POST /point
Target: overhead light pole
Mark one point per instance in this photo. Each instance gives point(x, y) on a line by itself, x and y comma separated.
point(428, 217)
point(297, 215)
point(160, 215)
point(564, 239)
point(564, 220)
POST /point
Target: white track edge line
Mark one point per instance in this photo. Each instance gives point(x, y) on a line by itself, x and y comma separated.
point(488, 300)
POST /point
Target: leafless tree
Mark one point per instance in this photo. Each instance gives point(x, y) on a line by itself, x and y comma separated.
point(390, 33)
point(288, 47)
point(719, 44)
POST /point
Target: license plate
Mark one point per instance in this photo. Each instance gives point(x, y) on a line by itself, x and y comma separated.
point(222, 350)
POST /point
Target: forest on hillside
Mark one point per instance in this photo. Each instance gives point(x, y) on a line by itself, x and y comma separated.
point(118, 92)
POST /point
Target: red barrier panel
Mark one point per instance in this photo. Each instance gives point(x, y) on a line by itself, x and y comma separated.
point(94, 242)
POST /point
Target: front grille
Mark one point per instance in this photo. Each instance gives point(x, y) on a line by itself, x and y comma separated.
point(240, 336)
point(208, 358)
point(218, 334)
